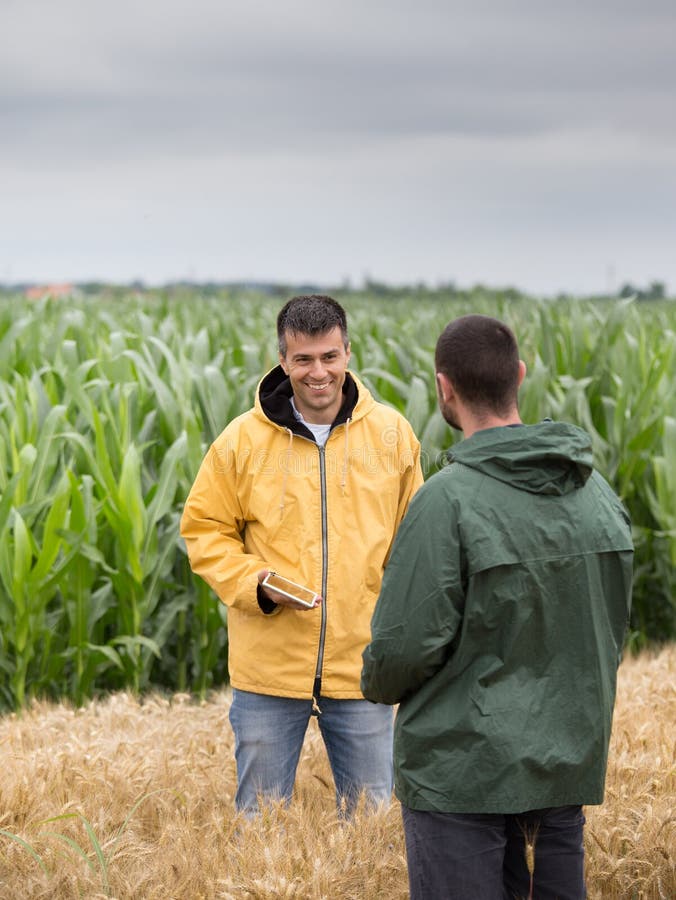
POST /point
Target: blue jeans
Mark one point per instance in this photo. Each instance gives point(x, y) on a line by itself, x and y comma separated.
point(269, 733)
point(455, 856)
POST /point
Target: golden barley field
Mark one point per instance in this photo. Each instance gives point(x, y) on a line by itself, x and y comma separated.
point(129, 798)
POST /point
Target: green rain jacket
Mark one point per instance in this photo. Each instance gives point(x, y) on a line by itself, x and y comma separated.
point(500, 623)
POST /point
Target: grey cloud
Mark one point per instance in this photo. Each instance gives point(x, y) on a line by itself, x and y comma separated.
point(266, 117)
point(380, 47)
point(448, 124)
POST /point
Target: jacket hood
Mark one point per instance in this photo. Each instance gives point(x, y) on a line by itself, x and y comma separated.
point(548, 458)
point(274, 393)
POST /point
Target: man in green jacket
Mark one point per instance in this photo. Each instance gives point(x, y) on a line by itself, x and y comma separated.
point(498, 630)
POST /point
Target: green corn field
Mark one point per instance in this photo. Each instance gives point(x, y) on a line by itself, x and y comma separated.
point(107, 406)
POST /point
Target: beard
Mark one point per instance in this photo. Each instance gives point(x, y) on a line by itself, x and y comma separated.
point(449, 414)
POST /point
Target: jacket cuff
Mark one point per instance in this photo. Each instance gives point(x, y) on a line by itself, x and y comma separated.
point(267, 605)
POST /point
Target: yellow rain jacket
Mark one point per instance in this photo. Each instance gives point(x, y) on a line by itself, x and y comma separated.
point(268, 497)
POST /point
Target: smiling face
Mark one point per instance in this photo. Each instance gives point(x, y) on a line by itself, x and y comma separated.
point(316, 367)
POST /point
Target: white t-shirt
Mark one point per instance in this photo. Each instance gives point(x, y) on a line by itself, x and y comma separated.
point(320, 432)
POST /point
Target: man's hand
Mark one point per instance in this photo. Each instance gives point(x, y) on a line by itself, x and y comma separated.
point(281, 599)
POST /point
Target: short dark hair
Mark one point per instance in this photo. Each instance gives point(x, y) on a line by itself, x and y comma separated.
point(310, 314)
point(480, 356)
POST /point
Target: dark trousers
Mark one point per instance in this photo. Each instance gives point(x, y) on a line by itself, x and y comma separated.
point(454, 856)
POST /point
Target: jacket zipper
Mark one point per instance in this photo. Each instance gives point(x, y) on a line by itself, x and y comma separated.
point(317, 686)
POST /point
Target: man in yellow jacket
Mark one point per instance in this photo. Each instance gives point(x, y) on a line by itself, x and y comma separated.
point(311, 483)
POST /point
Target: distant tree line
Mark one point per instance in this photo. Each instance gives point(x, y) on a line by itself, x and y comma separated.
point(655, 290)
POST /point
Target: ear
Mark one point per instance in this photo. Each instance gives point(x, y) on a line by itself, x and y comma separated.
point(348, 352)
point(444, 387)
point(282, 362)
point(522, 371)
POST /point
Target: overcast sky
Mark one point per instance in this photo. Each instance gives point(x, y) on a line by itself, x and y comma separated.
point(510, 142)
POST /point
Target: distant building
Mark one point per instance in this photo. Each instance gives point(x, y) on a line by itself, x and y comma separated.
point(37, 291)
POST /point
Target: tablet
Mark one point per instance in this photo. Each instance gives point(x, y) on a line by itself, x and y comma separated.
point(291, 589)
